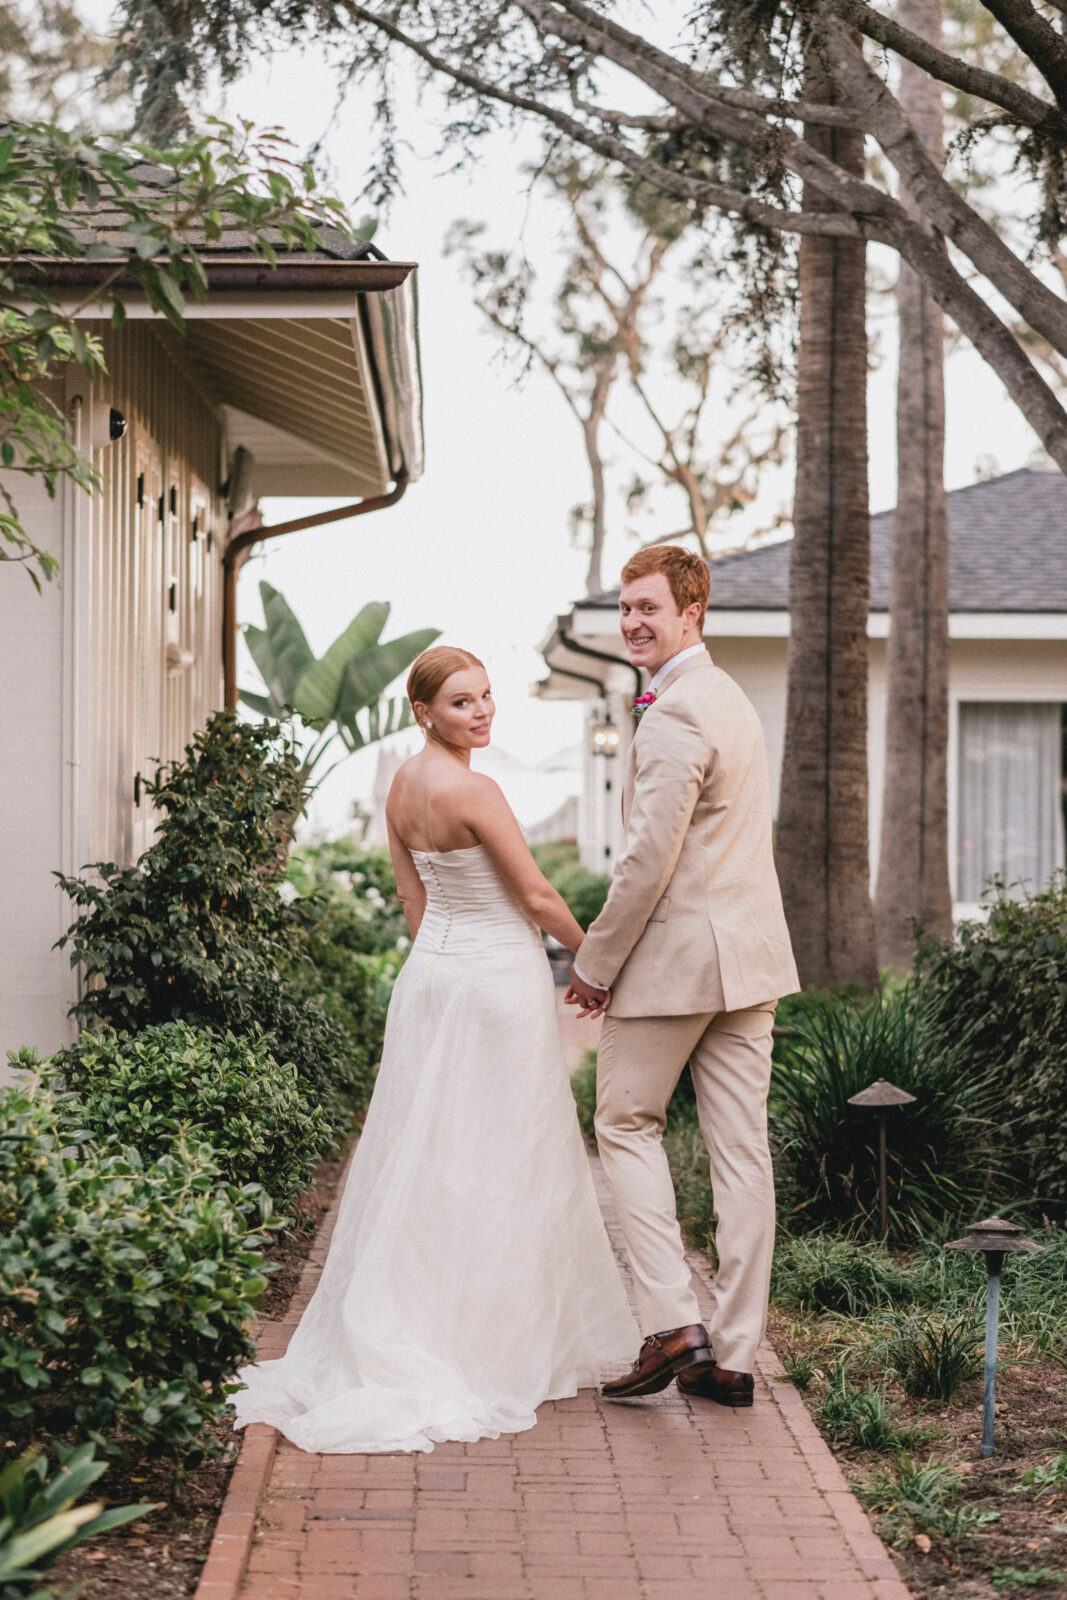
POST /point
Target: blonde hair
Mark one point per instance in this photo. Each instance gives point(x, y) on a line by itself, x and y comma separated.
point(429, 671)
point(686, 572)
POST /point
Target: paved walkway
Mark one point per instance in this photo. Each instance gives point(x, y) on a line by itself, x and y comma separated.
point(662, 1499)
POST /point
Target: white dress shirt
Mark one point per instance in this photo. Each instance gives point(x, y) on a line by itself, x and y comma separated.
point(658, 677)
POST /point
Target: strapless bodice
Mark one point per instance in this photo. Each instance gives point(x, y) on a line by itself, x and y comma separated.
point(468, 906)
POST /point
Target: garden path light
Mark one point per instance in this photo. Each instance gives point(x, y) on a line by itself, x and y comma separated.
point(995, 1238)
point(879, 1096)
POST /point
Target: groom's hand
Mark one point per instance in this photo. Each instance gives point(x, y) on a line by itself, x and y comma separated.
point(592, 1002)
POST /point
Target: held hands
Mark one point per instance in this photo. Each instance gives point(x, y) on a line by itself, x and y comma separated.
point(592, 1002)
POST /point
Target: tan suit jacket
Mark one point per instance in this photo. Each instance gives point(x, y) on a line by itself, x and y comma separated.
point(693, 920)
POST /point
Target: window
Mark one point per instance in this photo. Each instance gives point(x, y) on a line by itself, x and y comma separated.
point(1011, 795)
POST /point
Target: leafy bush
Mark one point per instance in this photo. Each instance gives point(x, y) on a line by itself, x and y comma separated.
point(358, 883)
point(39, 1520)
point(823, 1272)
point(688, 1158)
point(198, 929)
point(584, 891)
point(940, 1158)
point(935, 1355)
point(352, 987)
point(172, 1082)
point(125, 1289)
point(583, 1087)
point(1007, 981)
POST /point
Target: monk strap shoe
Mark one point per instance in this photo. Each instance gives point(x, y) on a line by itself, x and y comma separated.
point(662, 1357)
point(716, 1383)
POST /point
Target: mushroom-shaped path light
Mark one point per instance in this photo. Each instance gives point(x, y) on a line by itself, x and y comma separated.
point(995, 1239)
point(880, 1096)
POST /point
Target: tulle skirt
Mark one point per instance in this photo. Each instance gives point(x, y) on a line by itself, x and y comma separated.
point(470, 1277)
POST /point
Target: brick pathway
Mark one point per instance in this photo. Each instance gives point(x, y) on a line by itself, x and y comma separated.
point(663, 1499)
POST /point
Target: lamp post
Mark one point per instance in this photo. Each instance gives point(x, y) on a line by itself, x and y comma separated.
point(604, 737)
point(880, 1096)
point(995, 1239)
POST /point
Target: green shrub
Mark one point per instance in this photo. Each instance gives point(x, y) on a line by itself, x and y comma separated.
point(172, 1082)
point(198, 929)
point(934, 1355)
point(359, 886)
point(583, 1087)
point(913, 1499)
point(125, 1289)
point(940, 1159)
point(39, 1520)
point(584, 891)
point(823, 1272)
point(861, 1417)
point(1006, 982)
point(688, 1158)
point(1013, 1579)
point(352, 986)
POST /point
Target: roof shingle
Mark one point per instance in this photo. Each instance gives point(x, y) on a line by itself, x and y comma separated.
point(1007, 552)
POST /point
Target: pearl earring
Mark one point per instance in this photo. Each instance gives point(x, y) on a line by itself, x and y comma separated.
point(429, 724)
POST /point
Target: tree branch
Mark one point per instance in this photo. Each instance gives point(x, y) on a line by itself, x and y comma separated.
point(697, 192)
point(1022, 106)
point(1037, 39)
point(941, 204)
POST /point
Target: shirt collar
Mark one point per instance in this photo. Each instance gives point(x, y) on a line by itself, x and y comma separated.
point(669, 666)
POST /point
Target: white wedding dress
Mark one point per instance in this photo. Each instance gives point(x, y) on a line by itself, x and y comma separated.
point(470, 1277)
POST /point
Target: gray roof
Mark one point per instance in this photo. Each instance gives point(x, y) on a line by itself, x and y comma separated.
point(1007, 552)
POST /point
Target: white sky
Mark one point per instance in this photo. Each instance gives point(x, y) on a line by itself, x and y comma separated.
point(480, 546)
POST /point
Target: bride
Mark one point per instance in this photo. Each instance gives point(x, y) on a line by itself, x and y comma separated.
point(470, 1277)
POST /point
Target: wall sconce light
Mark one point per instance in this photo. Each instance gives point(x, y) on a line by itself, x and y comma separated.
point(604, 738)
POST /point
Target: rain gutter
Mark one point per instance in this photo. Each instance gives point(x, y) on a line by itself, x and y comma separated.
point(240, 548)
point(569, 642)
point(234, 273)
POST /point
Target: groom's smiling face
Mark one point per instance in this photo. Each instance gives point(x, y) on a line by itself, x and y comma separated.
point(652, 627)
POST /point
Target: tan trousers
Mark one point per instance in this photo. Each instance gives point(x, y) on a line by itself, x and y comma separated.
point(639, 1063)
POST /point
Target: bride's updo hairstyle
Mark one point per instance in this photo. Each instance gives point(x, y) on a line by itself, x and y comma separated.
point(430, 670)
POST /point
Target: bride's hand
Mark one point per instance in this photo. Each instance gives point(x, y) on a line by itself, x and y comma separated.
point(591, 1002)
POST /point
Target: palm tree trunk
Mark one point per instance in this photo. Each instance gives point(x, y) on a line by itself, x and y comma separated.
point(822, 825)
point(913, 875)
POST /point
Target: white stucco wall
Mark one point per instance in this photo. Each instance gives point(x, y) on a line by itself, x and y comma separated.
point(980, 669)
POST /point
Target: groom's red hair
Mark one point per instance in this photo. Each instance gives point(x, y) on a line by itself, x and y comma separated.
point(686, 572)
point(430, 670)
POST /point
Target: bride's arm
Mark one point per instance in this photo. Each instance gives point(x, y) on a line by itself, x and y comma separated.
point(492, 820)
point(409, 886)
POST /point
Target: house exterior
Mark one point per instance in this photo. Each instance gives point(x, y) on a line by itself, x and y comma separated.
point(303, 380)
point(1007, 759)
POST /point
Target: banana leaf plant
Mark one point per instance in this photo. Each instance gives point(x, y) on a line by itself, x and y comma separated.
point(341, 696)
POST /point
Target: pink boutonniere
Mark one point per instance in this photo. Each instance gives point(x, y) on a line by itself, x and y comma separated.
point(643, 701)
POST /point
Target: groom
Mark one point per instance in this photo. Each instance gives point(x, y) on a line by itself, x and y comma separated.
point(693, 943)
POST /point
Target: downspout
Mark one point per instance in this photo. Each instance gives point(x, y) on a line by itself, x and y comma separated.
point(240, 548)
point(569, 642)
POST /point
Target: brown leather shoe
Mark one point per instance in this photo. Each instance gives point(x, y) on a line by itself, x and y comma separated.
point(716, 1383)
point(662, 1357)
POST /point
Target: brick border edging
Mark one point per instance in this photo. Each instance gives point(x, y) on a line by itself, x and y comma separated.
point(231, 1543)
point(856, 1528)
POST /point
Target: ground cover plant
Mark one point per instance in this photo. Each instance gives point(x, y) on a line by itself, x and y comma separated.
point(174, 1082)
